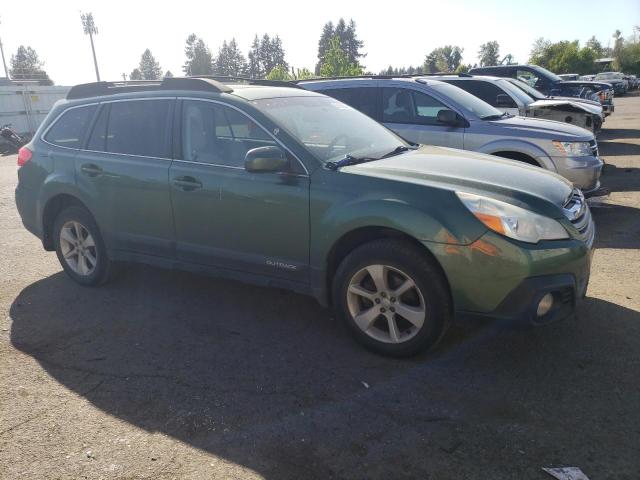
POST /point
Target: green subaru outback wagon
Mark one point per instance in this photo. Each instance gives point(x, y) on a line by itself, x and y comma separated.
point(289, 188)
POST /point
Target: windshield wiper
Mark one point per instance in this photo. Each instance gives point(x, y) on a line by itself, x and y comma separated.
point(348, 160)
point(399, 149)
point(496, 117)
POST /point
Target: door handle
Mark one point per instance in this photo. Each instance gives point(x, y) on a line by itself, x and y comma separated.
point(187, 183)
point(91, 170)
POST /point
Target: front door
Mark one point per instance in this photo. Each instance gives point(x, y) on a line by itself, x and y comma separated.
point(413, 115)
point(227, 217)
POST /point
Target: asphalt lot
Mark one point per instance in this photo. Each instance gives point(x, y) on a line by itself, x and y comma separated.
point(165, 375)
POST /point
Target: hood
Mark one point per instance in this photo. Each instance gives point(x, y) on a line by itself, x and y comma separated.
point(536, 127)
point(515, 182)
point(595, 103)
point(558, 102)
point(598, 85)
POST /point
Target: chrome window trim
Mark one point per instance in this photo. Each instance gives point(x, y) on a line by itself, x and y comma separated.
point(43, 134)
point(204, 164)
point(254, 121)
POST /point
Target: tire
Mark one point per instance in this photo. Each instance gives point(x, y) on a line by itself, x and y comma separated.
point(92, 267)
point(393, 261)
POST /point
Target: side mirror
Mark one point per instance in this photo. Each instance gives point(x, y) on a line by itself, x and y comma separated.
point(448, 117)
point(265, 159)
point(505, 101)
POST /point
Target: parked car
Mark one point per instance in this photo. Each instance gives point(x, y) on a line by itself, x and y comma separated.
point(287, 187)
point(632, 80)
point(542, 79)
point(603, 98)
point(506, 97)
point(587, 77)
point(616, 79)
point(431, 112)
point(569, 76)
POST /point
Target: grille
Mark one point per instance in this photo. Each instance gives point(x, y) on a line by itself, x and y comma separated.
point(594, 147)
point(578, 213)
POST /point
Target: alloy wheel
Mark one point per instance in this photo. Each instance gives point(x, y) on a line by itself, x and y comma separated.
point(78, 248)
point(386, 304)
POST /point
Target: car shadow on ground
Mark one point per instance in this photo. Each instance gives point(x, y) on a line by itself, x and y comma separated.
point(609, 134)
point(617, 226)
point(266, 379)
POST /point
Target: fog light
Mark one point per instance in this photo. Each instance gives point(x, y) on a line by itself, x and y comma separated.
point(545, 304)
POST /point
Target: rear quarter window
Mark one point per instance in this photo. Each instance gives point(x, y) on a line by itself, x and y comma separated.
point(70, 128)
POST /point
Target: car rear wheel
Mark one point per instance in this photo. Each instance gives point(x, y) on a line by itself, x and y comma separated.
point(80, 248)
point(393, 297)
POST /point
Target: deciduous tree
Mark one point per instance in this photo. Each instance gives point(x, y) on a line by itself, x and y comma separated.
point(489, 54)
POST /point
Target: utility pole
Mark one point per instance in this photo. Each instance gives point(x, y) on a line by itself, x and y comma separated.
point(90, 29)
point(4, 62)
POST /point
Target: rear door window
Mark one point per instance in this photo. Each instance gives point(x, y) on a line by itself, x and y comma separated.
point(140, 127)
point(365, 99)
point(69, 130)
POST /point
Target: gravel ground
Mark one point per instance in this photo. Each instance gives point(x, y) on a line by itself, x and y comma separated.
point(165, 375)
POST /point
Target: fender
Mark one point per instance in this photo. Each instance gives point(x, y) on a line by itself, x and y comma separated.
point(521, 146)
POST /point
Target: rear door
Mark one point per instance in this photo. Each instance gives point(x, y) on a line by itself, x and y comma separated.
point(413, 115)
point(124, 168)
point(364, 98)
point(227, 217)
point(488, 92)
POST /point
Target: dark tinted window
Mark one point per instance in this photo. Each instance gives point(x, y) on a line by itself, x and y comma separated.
point(98, 138)
point(364, 99)
point(483, 90)
point(140, 127)
point(70, 128)
point(219, 135)
point(402, 105)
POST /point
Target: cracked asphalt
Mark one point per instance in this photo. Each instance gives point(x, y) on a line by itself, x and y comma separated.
point(164, 375)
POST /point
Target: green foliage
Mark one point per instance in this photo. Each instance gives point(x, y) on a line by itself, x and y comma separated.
point(279, 73)
point(403, 70)
point(168, 74)
point(264, 55)
point(462, 68)
point(230, 61)
point(336, 62)
point(149, 68)
point(199, 58)
point(26, 65)
point(302, 74)
point(563, 57)
point(628, 59)
point(595, 46)
point(443, 59)
point(347, 39)
point(489, 54)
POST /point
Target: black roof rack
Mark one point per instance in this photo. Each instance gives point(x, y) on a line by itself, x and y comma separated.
point(98, 89)
point(250, 81)
point(383, 77)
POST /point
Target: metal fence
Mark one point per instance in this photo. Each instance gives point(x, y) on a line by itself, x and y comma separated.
point(25, 106)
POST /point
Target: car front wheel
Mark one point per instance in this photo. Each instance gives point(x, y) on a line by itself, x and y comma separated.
point(393, 297)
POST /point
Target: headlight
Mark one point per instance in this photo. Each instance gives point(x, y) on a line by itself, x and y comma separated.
point(512, 221)
point(573, 149)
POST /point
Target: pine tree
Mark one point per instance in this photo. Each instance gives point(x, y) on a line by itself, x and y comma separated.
point(149, 67)
point(230, 61)
point(26, 65)
point(135, 74)
point(199, 58)
point(254, 67)
point(336, 63)
point(328, 32)
point(168, 74)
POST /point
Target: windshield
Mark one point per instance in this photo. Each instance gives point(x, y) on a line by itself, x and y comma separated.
point(550, 75)
point(526, 88)
point(608, 76)
point(515, 92)
point(468, 102)
point(330, 129)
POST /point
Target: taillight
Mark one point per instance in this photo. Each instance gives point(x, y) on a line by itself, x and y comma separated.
point(24, 155)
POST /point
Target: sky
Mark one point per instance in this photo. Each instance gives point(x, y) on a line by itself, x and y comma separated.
point(398, 34)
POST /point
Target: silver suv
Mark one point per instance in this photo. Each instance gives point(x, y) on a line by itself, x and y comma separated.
point(431, 112)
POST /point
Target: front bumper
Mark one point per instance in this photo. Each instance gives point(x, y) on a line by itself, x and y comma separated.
point(608, 109)
point(501, 278)
point(583, 172)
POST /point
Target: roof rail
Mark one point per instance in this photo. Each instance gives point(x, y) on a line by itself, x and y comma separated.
point(383, 77)
point(249, 81)
point(98, 89)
